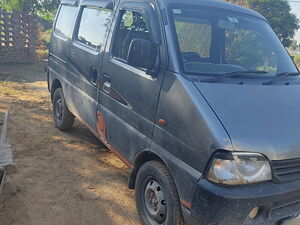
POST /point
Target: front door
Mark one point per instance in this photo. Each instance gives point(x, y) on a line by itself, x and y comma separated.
point(128, 96)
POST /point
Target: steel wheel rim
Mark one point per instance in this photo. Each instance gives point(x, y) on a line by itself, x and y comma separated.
point(155, 202)
point(59, 109)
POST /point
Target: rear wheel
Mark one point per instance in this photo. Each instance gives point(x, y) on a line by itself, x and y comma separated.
point(63, 118)
point(156, 196)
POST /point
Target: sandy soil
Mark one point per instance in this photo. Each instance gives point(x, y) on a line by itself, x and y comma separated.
point(59, 178)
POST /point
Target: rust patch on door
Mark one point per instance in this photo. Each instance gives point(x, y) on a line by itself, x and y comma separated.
point(101, 127)
point(101, 130)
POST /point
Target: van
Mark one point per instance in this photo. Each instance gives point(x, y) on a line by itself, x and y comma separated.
point(198, 98)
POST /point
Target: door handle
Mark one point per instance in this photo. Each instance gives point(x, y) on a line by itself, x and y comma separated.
point(106, 83)
point(93, 75)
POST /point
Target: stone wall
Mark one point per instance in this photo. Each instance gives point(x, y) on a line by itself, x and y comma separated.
point(18, 35)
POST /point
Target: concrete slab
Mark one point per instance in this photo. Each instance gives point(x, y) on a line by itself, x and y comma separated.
point(6, 155)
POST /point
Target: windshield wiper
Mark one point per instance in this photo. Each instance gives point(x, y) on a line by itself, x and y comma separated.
point(288, 74)
point(280, 75)
point(233, 74)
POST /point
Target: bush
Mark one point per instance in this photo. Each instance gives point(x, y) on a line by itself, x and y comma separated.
point(43, 39)
point(42, 54)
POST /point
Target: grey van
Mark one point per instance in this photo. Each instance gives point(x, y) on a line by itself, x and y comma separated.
point(198, 98)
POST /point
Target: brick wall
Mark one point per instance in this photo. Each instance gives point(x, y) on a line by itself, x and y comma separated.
point(18, 35)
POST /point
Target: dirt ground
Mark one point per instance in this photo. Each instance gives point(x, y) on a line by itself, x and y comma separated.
point(59, 178)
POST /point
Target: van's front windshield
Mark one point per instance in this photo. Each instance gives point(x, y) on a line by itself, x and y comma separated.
point(216, 42)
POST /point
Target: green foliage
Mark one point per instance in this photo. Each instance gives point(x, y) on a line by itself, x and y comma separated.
point(294, 45)
point(45, 9)
point(278, 13)
point(297, 60)
point(44, 38)
point(11, 5)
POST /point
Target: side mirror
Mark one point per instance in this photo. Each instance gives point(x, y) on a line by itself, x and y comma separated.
point(143, 53)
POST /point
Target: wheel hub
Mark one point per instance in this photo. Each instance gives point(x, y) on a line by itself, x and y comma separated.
point(59, 109)
point(155, 202)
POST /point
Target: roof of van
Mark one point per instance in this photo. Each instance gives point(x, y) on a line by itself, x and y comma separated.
point(109, 4)
point(216, 4)
point(208, 3)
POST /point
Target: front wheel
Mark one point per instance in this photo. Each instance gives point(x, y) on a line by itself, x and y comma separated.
point(63, 118)
point(156, 196)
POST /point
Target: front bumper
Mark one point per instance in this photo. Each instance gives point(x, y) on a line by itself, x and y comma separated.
point(230, 205)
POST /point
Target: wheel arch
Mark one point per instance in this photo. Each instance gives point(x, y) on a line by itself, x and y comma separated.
point(55, 85)
point(184, 176)
point(143, 157)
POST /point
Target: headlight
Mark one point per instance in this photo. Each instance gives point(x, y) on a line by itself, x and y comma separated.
point(239, 168)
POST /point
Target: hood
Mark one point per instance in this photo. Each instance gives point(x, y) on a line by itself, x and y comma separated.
point(258, 118)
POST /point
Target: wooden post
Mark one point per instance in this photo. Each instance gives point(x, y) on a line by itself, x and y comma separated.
point(4, 128)
point(6, 156)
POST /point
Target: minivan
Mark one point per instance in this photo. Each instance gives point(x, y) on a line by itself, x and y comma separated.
point(198, 98)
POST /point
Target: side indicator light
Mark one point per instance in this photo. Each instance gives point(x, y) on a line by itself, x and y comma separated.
point(162, 122)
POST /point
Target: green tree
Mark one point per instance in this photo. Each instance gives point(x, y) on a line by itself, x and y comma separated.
point(278, 13)
point(10, 5)
point(46, 8)
point(294, 45)
point(43, 8)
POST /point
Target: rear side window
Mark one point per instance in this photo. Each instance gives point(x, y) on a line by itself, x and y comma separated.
point(93, 26)
point(131, 26)
point(65, 20)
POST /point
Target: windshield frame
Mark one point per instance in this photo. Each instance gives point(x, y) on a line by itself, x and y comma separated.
point(215, 9)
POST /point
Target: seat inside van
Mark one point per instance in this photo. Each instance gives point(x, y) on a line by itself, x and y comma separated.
point(129, 32)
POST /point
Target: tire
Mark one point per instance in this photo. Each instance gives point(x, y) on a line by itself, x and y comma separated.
point(156, 195)
point(63, 118)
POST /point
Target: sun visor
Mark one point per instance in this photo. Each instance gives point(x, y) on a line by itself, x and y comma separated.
point(106, 4)
point(69, 2)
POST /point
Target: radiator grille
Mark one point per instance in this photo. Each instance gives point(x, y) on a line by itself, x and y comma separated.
point(286, 170)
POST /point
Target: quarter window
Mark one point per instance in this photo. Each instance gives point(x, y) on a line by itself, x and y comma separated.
point(131, 26)
point(65, 20)
point(93, 26)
